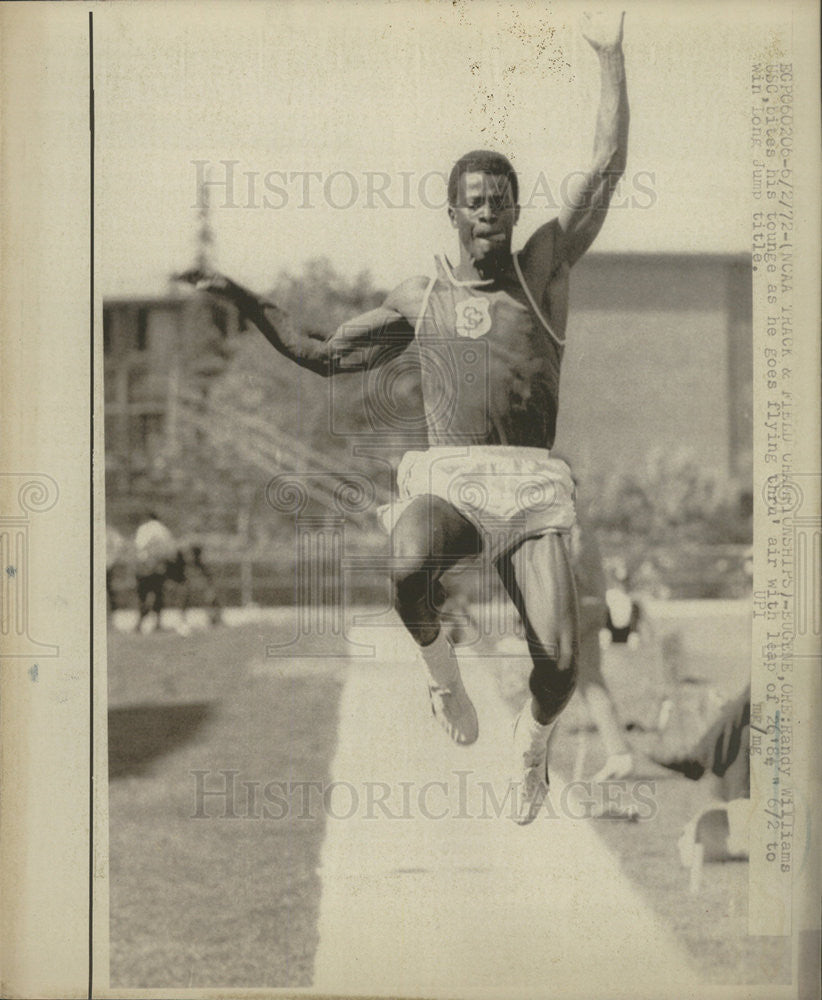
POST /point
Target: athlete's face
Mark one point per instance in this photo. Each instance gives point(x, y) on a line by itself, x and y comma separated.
point(484, 217)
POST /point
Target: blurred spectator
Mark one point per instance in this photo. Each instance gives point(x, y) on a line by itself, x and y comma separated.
point(623, 610)
point(190, 566)
point(158, 560)
point(719, 759)
point(593, 615)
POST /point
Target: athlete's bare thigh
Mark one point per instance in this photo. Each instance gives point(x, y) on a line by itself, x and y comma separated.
point(431, 533)
point(429, 537)
point(538, 578)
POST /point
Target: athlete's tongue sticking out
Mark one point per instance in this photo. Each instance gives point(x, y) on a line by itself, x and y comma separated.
point(490, 249)
point(484, 214)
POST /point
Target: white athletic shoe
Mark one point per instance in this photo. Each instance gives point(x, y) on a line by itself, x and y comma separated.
point(454, 710)
point(530, 772)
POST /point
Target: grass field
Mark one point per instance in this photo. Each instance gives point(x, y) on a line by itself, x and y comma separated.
point(215, 901)
point(233, 901)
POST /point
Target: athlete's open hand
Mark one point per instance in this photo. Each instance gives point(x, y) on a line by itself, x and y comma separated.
point(208, 281)
point(603, 29)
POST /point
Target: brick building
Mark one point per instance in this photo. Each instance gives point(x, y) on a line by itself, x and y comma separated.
point(148, 343)
point(659, 354)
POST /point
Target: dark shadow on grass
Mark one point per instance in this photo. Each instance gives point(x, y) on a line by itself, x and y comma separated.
point(139, 734)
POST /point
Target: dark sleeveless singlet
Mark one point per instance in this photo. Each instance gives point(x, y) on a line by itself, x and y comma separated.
point(489, 365)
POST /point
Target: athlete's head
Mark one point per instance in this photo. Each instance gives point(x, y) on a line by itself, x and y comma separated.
point(482, 204)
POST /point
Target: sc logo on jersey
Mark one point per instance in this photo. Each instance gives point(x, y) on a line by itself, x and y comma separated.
point(473, 317)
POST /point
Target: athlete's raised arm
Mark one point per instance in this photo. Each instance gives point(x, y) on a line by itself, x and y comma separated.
point(363, 342)
point(583, 212)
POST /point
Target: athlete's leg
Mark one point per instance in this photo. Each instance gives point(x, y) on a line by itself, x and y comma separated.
point(429, 537)
point(538, 578)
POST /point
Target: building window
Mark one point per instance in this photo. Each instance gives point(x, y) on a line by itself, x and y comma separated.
point(146, 384)
point(137, 380)
point(145, 438)
point(116, 437)
point(142, 329)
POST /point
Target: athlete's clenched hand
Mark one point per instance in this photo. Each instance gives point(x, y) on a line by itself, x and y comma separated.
point(603, 29)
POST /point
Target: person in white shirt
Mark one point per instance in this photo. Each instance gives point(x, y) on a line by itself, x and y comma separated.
point(158, 560)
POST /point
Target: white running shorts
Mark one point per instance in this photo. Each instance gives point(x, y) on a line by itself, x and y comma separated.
point(508, 493)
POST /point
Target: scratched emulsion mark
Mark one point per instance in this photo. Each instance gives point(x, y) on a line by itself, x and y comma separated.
point(11, 572)
point(519, 50)
point(33, 671)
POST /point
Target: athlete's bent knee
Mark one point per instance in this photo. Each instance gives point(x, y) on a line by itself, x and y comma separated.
point(415, 587)
point(410, 586)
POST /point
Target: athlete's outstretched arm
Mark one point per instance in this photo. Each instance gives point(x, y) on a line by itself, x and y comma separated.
point(363, 342)
point(582, 216)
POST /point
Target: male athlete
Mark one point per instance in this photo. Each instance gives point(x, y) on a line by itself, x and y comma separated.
point(490, 336)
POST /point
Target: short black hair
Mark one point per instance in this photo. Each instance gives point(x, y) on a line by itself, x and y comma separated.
point(482, 161)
